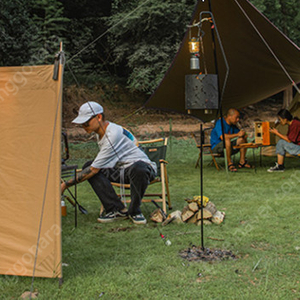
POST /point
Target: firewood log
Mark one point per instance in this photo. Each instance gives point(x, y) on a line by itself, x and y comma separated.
point(177, 214)
point(174, 217)
point(193, 207)
point(205, 222)
point(156, 216)
point(193, 219)
point(211, 207)
point(218, 217)
point(206, 214)
point(186, 213)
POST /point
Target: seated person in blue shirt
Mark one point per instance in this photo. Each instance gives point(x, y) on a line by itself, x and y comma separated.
point(233, 137)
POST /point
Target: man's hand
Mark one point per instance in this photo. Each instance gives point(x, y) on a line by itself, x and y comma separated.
point(241, 133)
point(85, 174)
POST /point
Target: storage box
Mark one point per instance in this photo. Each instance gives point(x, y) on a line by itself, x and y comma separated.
point(262, 134)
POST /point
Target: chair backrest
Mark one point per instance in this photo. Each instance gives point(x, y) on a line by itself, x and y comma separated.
point(64, 148)
point(196, 136)
point(156, 150)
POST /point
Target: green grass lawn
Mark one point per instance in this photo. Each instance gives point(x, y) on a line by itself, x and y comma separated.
point(261, 227)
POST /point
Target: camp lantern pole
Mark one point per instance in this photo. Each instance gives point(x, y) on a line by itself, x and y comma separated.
point(217, 72)
point(210, 95)
point(201, 182)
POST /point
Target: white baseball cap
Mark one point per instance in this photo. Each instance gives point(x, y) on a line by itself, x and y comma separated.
point(87, 111)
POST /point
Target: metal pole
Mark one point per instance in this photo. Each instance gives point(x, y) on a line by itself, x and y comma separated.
point(220, 99)
point(201, 182)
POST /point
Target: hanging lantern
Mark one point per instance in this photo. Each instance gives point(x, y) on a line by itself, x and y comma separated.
point(194, 48)
point(194, 45)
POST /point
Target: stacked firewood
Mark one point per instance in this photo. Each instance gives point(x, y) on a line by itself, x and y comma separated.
point(191, 213)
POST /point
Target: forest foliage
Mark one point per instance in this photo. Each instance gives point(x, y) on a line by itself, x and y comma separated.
point(135, 41)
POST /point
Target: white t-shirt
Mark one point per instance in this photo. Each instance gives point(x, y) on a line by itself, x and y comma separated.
point(118, 149)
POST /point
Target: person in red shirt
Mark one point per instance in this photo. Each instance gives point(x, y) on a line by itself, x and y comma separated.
point(288, 143)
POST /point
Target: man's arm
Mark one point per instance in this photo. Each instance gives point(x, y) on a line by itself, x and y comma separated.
point(85, 174)
point(241, 133)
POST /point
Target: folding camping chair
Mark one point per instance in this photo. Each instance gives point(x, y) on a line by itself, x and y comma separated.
point(206, 148)
point(156, 150)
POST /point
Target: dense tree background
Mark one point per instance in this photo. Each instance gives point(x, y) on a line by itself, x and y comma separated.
point(136, 40)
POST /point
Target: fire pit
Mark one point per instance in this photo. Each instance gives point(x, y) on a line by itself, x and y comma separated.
point(195, 253)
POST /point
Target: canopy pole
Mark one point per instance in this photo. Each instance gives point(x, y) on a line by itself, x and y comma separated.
point(220, 95)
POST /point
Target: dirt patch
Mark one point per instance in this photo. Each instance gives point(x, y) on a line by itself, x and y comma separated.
point(120, 229)
point(145, 124)
point(195, 253)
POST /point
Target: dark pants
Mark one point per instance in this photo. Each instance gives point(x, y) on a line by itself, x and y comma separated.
point(138, 175)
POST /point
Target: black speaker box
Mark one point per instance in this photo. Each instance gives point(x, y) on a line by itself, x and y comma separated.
point(201, 91)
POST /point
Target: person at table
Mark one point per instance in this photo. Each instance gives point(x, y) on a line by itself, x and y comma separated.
point(233, 137)
point(287, 143)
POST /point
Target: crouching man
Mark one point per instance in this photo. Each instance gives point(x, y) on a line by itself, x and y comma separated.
point(119, 160)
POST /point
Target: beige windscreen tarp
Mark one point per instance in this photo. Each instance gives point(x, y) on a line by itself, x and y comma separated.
point(30, 122)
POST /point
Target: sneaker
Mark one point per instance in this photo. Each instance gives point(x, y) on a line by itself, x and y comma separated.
point(277, 168)
point(113, 216)
point(138, 219)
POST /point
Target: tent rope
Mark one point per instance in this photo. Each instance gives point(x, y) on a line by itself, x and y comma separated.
point(107, 31)
point(46, 185)
point(269, 48)
point(73, 75)
point(129, 115)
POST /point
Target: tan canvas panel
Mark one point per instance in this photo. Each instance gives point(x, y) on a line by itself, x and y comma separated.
point(30, 122)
